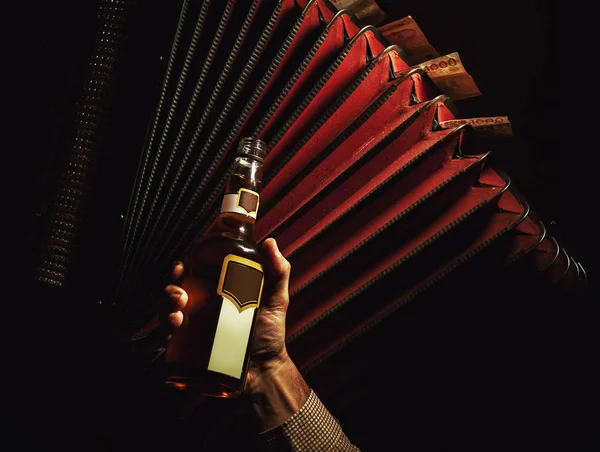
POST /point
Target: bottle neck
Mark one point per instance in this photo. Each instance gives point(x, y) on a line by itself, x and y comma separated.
point(240, 203)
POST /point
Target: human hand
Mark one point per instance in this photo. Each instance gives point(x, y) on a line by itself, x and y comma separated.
point(269, 352)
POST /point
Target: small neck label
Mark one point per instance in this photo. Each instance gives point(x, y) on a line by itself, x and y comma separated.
point(244, 202)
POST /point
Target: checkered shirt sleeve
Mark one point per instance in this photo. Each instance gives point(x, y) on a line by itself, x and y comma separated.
point(312, 428)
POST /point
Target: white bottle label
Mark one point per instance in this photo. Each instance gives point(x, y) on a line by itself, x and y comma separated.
point(240, 286)
point(231, 340)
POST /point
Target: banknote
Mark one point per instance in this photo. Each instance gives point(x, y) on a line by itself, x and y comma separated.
point(406, 34)
point(497, 126)
point(450, 76)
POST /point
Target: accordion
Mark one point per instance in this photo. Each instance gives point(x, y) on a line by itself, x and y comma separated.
point(406, 238)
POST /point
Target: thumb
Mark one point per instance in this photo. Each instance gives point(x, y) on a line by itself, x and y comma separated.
point(277, 276)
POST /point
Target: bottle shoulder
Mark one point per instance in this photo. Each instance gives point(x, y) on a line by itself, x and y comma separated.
point(215, 246)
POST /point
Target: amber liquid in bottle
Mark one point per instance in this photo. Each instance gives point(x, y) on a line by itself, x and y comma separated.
point(223, 277)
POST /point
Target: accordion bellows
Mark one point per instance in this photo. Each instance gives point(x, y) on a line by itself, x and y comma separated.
point(368, 197)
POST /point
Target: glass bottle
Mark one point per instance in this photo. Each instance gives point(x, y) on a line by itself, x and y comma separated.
point(223, 277)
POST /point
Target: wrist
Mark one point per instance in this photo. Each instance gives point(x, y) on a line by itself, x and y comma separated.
point(277, 391)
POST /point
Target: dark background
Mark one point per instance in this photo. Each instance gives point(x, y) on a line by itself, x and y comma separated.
point(520, 55)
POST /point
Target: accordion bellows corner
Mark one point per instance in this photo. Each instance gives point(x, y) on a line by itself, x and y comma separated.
point(372, 200)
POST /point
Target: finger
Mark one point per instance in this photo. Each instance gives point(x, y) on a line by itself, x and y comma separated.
point(170, 311)
point(177, 272)
point(176, 319)
point(177, 298)
point(277, 275)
